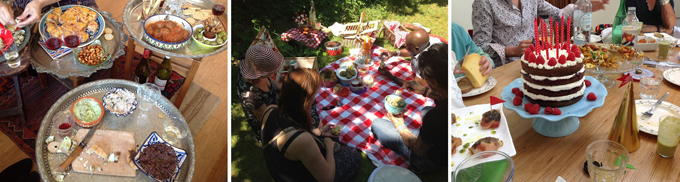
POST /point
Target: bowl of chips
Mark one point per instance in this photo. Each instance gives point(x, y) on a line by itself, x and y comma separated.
point(329, 78)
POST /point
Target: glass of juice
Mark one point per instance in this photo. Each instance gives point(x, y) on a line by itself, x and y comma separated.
point(490, 165)
point(664, 46)
point(53, 41)
point(669, 136)
point(607, 161)
point(174, 130)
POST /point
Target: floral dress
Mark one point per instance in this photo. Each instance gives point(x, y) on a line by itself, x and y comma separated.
point(90, 3)
point(252, 97)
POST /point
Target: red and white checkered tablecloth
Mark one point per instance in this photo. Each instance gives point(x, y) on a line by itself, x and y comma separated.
point(296, 34)
point(359, 111)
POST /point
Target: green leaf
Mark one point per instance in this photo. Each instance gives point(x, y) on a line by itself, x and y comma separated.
point(630, 166)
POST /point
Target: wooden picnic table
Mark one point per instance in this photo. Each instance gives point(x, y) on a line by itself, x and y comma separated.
point(541, 158)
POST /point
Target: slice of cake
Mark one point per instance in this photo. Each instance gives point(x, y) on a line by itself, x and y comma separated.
point(554, 77)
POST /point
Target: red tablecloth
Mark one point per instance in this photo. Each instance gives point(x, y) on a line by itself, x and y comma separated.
point(359, 111)
point(296, 34)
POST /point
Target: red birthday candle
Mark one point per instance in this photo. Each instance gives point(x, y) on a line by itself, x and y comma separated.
point(543, 36)
point(536, 34)
point(569, 32)
point(551, 32)
point(562, 31)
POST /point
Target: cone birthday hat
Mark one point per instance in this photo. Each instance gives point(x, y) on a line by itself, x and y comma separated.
point(625, 129)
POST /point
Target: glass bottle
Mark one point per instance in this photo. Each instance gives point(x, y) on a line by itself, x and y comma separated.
point(617, 33)
point(143, 69)
point(163, 74)
point(312, 17)
point(630, 28)
point(582, 21)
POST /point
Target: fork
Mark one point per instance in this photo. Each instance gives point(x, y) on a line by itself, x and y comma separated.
point(648, 114)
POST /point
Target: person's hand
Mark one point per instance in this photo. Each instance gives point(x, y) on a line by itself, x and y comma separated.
point(326, 131)
point(458, 71)
point(383, 71)
point(485, 66)
point(599, 4)
point(397, 120)
point(414, 87)
point(6, 14)
point(519, 50)
point(31, 14)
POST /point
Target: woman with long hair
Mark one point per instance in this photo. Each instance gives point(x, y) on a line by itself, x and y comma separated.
point(292, 150)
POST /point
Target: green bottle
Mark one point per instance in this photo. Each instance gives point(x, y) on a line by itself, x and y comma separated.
point(163, 73)
point(617, 33)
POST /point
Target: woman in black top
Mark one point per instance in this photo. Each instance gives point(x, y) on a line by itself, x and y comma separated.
point(426, 147)
point(291, 149)
point(657, 15)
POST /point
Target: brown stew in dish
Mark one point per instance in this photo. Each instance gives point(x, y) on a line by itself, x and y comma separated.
point(158, 160)
point(167, 31)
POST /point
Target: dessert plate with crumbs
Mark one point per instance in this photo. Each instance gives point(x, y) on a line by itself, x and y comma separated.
point(119, 101)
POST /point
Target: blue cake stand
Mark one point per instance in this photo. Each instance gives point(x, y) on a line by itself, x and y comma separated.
point(557, 125)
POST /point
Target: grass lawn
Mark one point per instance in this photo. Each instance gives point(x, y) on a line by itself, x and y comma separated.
point(247, 161)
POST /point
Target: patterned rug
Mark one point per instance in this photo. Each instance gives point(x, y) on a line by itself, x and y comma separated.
point(38, 100)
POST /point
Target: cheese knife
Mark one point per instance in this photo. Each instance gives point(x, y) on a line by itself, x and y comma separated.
point(76, 152)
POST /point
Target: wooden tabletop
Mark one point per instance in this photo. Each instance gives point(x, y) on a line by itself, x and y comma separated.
point(541, 158)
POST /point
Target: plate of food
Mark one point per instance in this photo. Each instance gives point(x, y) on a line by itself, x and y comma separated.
point(611, 59)
point(158, 159)
point(93, 55)
point(88, 111)
point(651, 125)
point(395, 104)
point(120, 101)
point(468, 90)
point(479, 128)
point(74, 18)
point(346, 73)
point(217, 40)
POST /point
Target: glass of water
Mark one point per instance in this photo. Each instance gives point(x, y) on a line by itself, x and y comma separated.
point(607, 161)
point(173, 130)
point(649, 87)
point(147, 93)
point(12, 56)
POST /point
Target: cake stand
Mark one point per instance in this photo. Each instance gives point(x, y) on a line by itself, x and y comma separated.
point(557, 125)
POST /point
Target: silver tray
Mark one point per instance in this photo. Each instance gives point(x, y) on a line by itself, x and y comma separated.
point(47, 162)
point(135, 29)
point(41, 60)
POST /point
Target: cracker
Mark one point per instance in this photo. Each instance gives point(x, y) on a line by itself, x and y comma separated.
point(189, 12)
point(191, 21)
point(108, 30)
point(108, 36)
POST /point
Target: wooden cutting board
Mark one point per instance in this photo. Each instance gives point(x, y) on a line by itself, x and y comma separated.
point(110, 141)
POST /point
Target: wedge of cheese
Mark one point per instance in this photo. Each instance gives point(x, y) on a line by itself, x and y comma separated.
point(471, 68)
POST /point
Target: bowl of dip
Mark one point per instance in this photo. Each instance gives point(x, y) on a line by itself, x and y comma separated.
point(88, 111)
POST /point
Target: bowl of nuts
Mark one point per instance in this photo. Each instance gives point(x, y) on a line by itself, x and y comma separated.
point(92, 55)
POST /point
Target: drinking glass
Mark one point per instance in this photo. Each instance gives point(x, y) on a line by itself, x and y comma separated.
point(664, 47)
point(72, 40)
point(63, 124)
point(148, 93)
point(54, 42)
point(173, 130)
point(649, 86)
point(669, 136)
point(607, 161)
point(485, 166)
point(12, 56)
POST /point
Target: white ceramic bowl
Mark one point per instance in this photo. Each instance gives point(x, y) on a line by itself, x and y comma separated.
point(343, 67)
point(647, 46)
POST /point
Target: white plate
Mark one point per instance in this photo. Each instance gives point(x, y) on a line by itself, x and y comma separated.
point(651, 125)
point(672, 75)
point(665, 35)
point(488, 85)
point(467, 117)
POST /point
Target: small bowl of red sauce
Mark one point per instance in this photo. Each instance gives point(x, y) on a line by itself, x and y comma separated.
point(167, 31)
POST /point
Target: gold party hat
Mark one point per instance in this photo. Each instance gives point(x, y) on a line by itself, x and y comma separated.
point(625, 128)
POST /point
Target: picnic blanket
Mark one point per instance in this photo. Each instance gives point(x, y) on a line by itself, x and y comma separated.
point(296, 34)
point(399, 34)
point(359, 111)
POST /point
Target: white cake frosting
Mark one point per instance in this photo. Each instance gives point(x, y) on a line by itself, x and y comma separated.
point(555, 88)
point(551, 54)
point(541, 78)
point(551, 98)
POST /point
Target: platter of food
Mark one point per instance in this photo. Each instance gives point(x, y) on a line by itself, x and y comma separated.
point(167, 31)
point(468, 90)
point(87, 22)
point(610, 59)
point(219, 40)
point(114, 135)
point(651, 125)
point(159, 159)
point(479, 128)
point(119, 102)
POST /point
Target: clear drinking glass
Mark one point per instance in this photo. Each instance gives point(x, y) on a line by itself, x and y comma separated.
point(669, 136)
point(649, 86)
point(54, 42)
point(607, 161)
point(485, 166)
point(12, 56)
point(147, 93)
point(63, 124)
point(173, 130)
